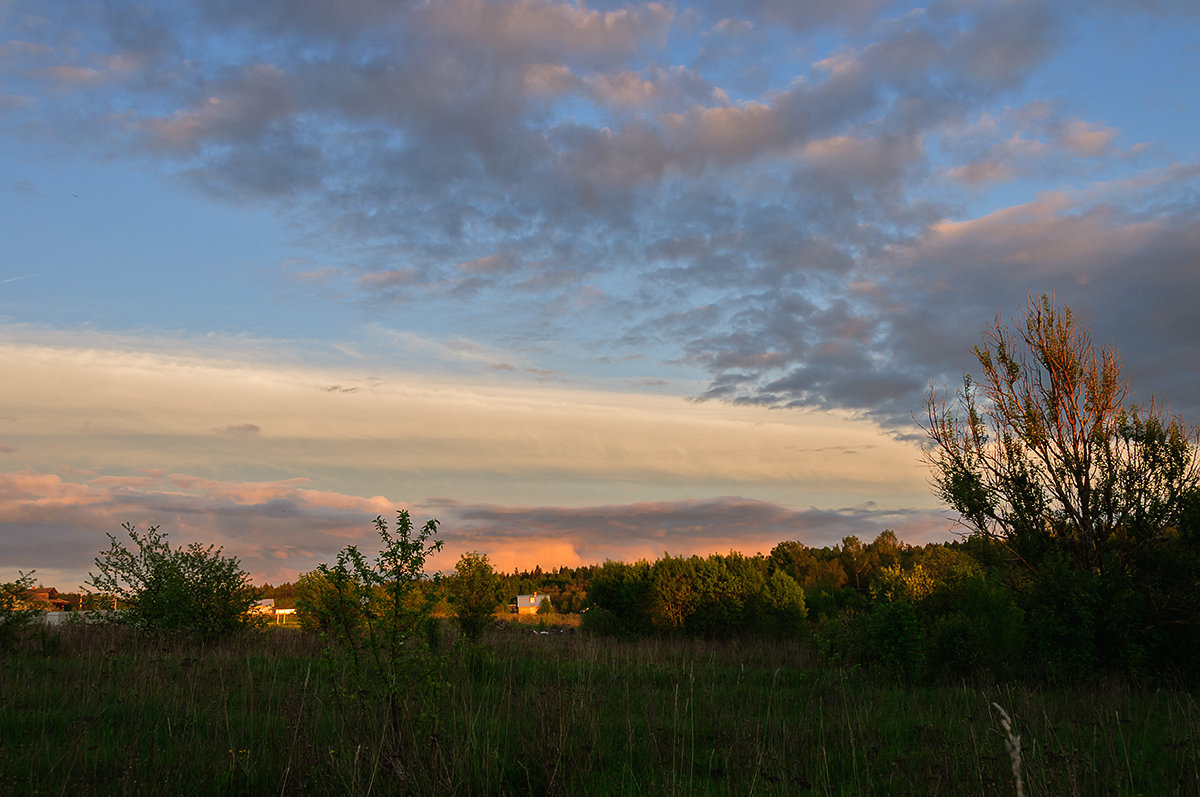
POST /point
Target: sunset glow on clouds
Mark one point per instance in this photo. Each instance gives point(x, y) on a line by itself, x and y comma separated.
point(582, 280)
point(533, 459)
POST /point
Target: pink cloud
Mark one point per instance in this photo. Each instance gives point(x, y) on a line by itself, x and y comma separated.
point(1088, 139)
point(239, 110)
point(71, 75)
point(543, 29)
point(1048, 235)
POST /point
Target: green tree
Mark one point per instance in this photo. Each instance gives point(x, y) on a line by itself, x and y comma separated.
point(793, 558)
point(782, 601)
point(1043, 454)
point(16, 615)
point(386, 656)
point(474, 593)
point(855, 561)
point(622, 597)
point(728, 591)
point(192, 589)
point(674, 590)
point(321, 607)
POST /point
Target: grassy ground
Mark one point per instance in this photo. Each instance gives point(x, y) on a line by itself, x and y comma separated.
point(99, 711)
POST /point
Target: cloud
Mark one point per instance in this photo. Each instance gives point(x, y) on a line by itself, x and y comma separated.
point(543, 29)
point(277, 529)
point(68, 75)
point(129, 411)
point(281, 529)
point(248, 429)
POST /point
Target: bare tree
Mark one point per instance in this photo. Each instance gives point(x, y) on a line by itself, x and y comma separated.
point(1042, 452)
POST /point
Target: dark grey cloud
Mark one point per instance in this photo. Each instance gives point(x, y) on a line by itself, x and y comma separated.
point(242, 430)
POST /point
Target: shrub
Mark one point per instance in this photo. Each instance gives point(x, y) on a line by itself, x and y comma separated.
point(625, 593)
point(601, 621)
point(193, 589)
point(782, 605)
point(322, 607)
point(16, 615)
point(895, 638)
point(475, 593)
point(974, 624)
point(385, 659)
point(1063, 611)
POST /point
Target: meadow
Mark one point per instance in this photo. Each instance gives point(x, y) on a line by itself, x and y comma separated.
point(102, 710)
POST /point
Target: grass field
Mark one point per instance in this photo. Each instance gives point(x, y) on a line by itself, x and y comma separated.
point(101, 711)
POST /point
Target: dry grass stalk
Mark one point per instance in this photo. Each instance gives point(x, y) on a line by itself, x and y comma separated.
point(1012, 743)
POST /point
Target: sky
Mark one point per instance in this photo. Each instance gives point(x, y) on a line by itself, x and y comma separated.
point(580, 280)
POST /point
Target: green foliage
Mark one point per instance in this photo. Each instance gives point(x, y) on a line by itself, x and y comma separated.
point(1164, 617)
point(728, 596)
point(934, 612)
point(386, 656)
point(16, 615)
point(622, 596)
point(321, 607)
point(783, 608)
point(894, 638)
point(675, 591)
point(474, 593)
point(1043, 454)
point(602, 622)
point(974, 625)
point(193, 589)
point(1092, 495)
point(1063, 605)
point(720, 596)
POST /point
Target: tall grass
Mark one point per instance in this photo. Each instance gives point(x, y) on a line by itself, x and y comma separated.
point(102, 711)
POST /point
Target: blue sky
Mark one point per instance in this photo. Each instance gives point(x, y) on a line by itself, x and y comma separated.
point(582, 280)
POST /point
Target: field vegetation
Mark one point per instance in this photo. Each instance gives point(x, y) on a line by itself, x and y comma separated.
point(108, 710)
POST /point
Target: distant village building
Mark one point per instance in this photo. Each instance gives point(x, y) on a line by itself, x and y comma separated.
point(46, 599)
point(266, 607)
point(529, 604)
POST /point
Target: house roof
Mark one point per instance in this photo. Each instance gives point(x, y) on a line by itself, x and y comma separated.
point(46, 597)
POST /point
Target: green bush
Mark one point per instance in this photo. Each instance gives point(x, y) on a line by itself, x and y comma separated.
point(474, 593)
point(782, 605)
point(973, 624)
point(1063, 608)
point(194, 589)
point(602, 622)
point(321, 607)
point(386, 663)
point(895, 639)
point(16, 615)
